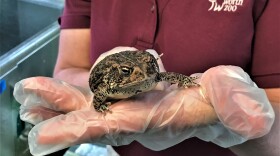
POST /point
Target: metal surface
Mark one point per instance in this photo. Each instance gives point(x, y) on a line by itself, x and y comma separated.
point(10, 60)
point(34, 56)
point(21, 19)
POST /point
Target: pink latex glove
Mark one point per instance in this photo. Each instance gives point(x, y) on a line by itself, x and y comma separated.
point(227, 109)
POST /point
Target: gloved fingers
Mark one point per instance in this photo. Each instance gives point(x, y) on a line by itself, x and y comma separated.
point(127, 117)
point(163, 116)
point(183, 108)
point(239, 103)
point(154, 113)
point(72, 127)
point(80, 127)
point(56, 133)
point(36, 114)
point(51, 93)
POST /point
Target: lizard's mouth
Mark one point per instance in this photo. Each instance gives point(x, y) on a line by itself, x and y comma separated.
point(146, 81)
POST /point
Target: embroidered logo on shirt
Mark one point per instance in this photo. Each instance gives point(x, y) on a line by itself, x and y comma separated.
point(227, 5)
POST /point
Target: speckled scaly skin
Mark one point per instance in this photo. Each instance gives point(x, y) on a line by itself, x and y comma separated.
point(124, 74)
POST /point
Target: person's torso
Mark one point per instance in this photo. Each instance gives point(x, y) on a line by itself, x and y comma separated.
point(193, 36)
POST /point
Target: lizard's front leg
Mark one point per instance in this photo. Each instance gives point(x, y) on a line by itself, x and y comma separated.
point(99, 99)
point(180, 79)
point(99, 102)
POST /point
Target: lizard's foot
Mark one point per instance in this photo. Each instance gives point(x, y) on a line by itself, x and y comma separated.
point(189, 82)
point(104, 107)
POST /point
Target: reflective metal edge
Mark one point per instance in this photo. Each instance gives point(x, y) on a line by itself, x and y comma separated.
point(10, 60)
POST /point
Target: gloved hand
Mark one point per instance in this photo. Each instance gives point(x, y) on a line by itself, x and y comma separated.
point(227, 109)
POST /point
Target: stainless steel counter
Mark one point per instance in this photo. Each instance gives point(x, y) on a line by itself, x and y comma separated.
point(37, 32)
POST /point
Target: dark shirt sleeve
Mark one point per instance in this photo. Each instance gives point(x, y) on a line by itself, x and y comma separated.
point(76, 14)
point(266, 55)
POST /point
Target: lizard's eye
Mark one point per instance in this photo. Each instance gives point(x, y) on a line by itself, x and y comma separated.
point(126, 71)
